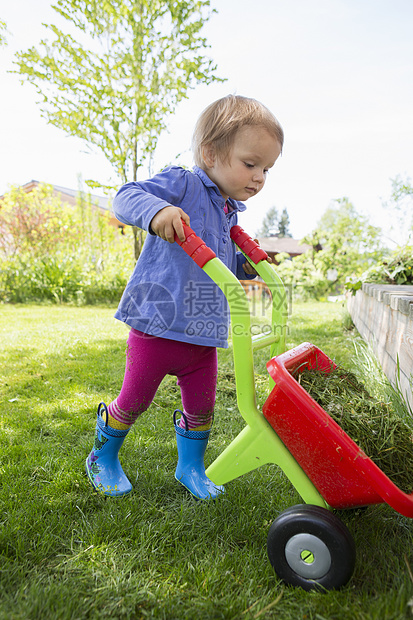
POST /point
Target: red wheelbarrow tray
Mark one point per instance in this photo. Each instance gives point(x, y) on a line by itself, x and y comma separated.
point(344, 475)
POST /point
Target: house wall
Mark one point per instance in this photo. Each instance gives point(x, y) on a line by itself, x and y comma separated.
point(383, 315)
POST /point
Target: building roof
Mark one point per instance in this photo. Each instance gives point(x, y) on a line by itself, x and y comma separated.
point(72, 194)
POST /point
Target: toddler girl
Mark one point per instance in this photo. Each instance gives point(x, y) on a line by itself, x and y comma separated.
point(177, 315)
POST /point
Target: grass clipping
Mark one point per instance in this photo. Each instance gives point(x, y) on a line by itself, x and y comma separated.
point(372, 424)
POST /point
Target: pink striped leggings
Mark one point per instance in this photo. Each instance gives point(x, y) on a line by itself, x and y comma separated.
point(149, 359)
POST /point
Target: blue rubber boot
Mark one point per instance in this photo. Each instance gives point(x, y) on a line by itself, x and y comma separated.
point(102, 465)
point(190, 470)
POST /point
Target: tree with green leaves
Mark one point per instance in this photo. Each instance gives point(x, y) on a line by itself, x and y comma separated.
point(269, 226)
point(118, 73)
point(3, 31)
point(401, 201)
point(350, 244)
point(274, 224)
point(344, 244)
point(284, 224)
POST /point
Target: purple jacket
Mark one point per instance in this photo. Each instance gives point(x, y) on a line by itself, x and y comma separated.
point(168, 295)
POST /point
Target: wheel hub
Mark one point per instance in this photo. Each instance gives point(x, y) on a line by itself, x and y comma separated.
point(308, 556)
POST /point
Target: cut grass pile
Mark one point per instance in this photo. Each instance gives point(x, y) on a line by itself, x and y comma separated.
point(373, 424)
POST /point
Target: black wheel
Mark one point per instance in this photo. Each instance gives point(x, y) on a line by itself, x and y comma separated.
point(310, 547)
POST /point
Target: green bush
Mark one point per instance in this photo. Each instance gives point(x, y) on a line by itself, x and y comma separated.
point(301, 276)
point(58, 253)
point(31, 278)
point(61, 278)
point(396, 268)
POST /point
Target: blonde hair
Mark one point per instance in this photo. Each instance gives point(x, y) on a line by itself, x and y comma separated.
point(221, 120)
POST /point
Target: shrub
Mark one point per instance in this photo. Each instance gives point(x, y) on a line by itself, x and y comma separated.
point(302, 277)
point(396, 268)
point(35, 222)
point(58, 253)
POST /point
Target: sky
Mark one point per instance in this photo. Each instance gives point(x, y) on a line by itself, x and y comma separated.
point(338, 75)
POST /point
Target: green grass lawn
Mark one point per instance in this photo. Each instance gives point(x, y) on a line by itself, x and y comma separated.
point(67, 552)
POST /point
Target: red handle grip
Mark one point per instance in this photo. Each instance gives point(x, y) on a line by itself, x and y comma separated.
point(248, 245)
point(195, 247)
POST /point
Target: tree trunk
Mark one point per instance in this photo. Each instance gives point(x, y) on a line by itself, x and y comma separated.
point(137, 241)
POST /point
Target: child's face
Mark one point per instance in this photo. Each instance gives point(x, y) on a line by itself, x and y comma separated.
point(243, 174)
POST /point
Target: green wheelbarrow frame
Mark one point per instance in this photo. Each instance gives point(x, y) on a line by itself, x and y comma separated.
point(257, 444)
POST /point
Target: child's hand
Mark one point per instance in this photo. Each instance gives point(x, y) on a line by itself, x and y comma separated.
point(167, 222)
point(249, 269)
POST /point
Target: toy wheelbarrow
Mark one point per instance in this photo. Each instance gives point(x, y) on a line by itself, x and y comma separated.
point(308, 545)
